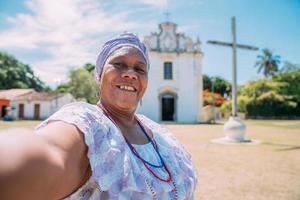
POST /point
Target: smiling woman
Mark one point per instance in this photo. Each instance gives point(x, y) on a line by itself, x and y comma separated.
point(124, 80)
point(103, 151)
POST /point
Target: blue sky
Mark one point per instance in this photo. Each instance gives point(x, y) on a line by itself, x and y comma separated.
point(56, 36)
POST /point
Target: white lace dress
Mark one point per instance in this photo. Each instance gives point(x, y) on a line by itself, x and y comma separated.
point(116, 172)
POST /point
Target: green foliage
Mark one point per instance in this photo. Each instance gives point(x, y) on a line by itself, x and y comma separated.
point(242, 103)
point(226, 107)
point(81, 85)
point(64, 88)
point(206, 82)
point(89, 67)
point(272, 104)
point(268, 63)
point(14, 74)
point(292, 82)
point(220, 85)
point(278, 97)
point(256, 88)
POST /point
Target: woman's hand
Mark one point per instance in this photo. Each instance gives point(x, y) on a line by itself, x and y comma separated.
point(49, 164)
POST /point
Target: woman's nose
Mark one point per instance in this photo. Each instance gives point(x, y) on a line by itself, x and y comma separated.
point(129, 73)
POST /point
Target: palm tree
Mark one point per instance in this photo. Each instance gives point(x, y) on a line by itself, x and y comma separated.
point(268, 63)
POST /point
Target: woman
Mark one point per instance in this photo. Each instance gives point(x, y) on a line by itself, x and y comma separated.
point(102, 151)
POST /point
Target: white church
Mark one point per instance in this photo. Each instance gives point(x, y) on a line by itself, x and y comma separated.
point(175, 85)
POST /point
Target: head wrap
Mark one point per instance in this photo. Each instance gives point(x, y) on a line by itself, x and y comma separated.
point(125, 39)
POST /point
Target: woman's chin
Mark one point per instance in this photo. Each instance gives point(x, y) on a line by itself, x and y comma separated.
point(128, 106)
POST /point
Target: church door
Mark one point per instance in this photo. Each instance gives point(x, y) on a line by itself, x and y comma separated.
point(168, 107)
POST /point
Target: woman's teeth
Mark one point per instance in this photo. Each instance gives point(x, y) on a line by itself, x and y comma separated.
point(127, 88)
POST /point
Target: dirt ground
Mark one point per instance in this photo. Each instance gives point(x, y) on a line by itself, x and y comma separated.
point(269, 171)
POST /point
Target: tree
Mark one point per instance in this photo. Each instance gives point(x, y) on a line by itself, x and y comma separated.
point(14, 74)
point(278, 97)
point(89, 67)
point(82, 85)
point(268, 63)
point(206, 82)
point(221, 85)
point(214, 99)
point(254, 89)
point(292, 81)
point(64, 88)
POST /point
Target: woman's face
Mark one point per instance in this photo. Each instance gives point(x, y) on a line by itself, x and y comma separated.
point(124, 80)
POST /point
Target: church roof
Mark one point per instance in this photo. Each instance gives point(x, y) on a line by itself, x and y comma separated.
point(169, 40)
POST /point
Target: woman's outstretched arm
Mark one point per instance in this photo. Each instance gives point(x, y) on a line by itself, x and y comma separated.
point(48, 165)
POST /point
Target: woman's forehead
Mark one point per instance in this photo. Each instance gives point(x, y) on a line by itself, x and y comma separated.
point(127, 51)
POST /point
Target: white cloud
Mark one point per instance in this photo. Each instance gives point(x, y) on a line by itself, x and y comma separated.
point(155, 3)
point(69, 31)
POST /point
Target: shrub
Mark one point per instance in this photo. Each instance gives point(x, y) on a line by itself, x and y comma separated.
point(210, 98)
point(271, 104)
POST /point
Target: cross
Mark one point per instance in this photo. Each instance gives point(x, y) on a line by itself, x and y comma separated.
point(234, 46)
point(167, 15)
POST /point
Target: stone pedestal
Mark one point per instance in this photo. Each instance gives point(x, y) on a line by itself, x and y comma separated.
point(234, 130)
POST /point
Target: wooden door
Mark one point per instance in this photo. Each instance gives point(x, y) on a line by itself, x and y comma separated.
point(36, 111)
point(21, 111)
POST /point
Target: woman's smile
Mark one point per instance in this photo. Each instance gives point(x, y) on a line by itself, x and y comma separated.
point(127, 88)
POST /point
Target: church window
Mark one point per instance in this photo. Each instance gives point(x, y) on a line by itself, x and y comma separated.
point(168, 71)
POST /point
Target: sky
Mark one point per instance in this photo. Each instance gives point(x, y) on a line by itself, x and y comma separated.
point(56, 36)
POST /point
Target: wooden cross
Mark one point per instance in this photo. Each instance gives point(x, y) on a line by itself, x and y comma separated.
point(234, 46)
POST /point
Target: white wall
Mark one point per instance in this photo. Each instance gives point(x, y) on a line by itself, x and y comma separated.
point(187, 82)
point(47, 108)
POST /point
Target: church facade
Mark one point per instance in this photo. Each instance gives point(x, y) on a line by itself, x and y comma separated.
point(175, 88)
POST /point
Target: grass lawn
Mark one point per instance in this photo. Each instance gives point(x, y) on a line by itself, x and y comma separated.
point(268, 171)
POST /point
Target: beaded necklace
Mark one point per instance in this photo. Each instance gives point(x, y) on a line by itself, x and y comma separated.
point(146, 163)
point(134, 151)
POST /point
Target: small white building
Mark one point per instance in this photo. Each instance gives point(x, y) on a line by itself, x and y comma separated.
point(175, 78)
point(39, 105)
point(7, 96)
point(29, 104)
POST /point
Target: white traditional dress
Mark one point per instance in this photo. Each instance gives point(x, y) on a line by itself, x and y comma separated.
point(116, 172)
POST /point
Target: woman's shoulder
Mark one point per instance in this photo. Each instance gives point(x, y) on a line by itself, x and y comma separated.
point(83, 115)
point(79, 109)
point(78, 106)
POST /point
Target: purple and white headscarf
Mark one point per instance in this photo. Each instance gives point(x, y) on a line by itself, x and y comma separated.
point(125, 39)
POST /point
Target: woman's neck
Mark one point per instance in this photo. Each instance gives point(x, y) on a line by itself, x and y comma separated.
point(125, 118)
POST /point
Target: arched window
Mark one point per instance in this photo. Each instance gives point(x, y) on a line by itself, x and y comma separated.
point(168, 71)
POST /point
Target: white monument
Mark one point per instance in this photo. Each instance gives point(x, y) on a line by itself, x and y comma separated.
point(174, 92)
point(234, 128)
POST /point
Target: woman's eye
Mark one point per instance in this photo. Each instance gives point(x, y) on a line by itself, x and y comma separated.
point(117, 65)
point(140, 70)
